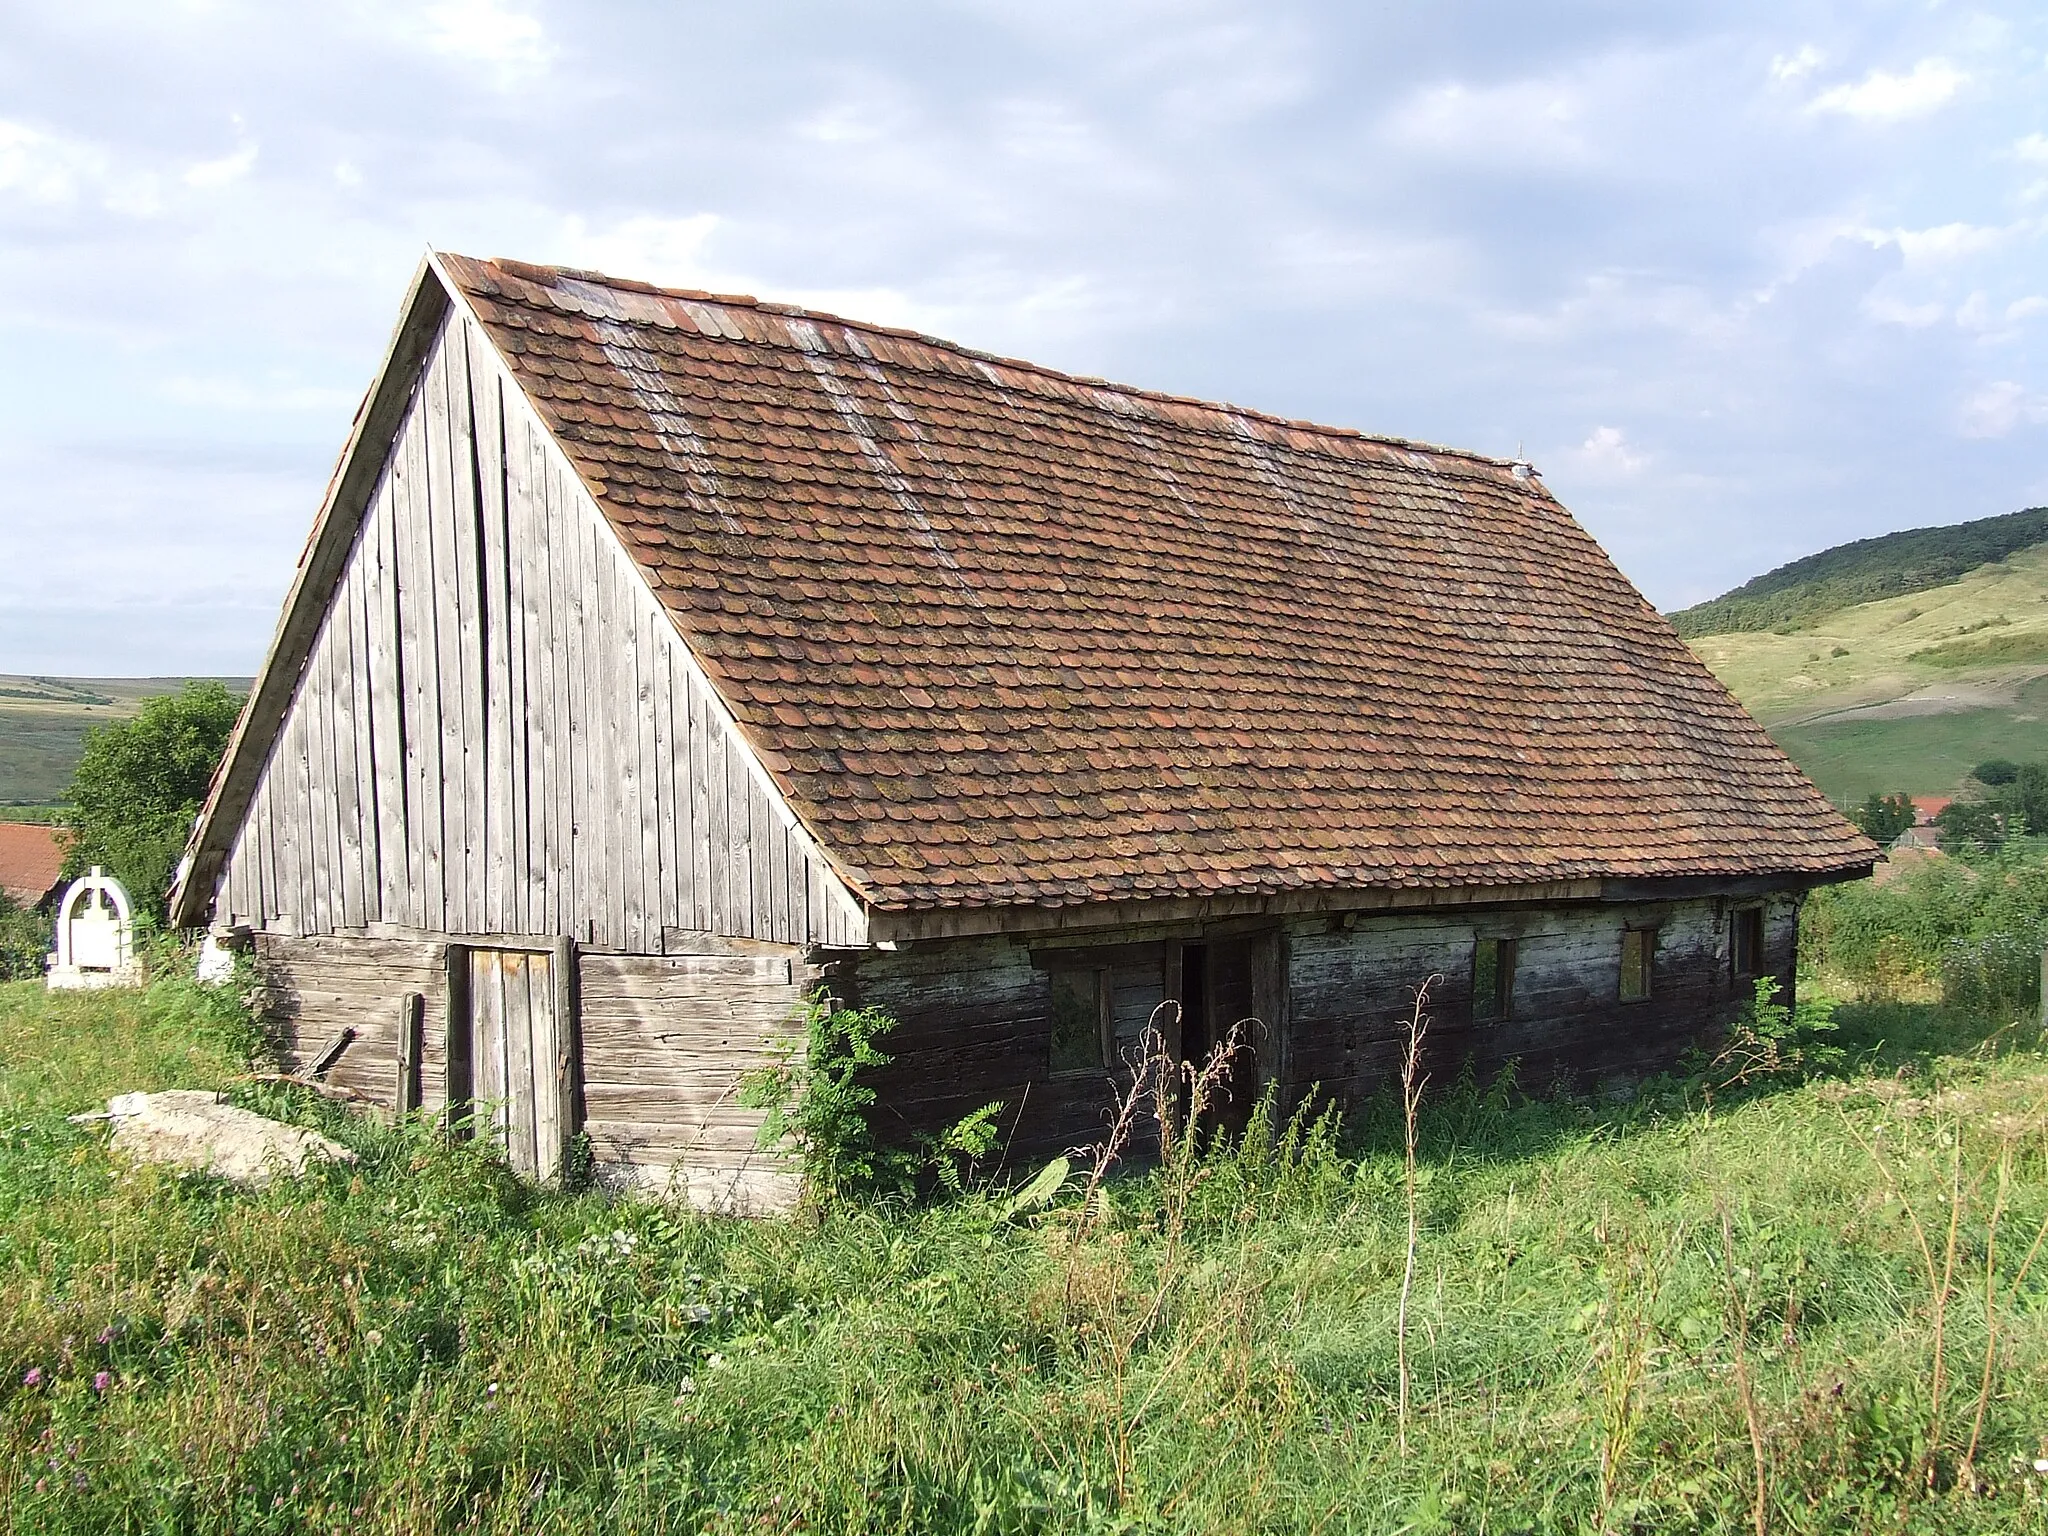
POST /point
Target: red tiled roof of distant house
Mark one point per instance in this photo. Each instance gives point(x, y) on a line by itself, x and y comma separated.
point(1002, 635)
point(31, 858)
point(1927, 807)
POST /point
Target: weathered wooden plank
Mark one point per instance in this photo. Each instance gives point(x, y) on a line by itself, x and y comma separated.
point(762, 865)
point(384, 813)
point(458, 1047)
point(412, 1017)
point(609, 970)
point(547, 826)
point(470, 897)
point(607, 711)
point(667, 774)
point(573, 573)
point(497, 670)
point(358, 811)
point(648, 664)
point(411, 588)
point(440, 701)
point(705, 830)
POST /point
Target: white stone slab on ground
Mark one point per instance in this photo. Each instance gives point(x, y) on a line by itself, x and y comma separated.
point(190, 1128)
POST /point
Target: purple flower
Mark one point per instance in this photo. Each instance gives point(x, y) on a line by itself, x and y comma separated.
point(107, 1334)
point(34, 1378)
point(102, 1381)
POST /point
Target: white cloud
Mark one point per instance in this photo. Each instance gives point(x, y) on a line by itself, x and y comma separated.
point(2025, 309)
point(494, 33)
point(1889, 309)
point(2033, 149)
point(224, 171)
point(1796, 66)
point(1998, 408)
point(42, 168)
point(669, 252)
point(1940, 245)
point(1606, 455)
point(1523, 121)
point(1883, 96)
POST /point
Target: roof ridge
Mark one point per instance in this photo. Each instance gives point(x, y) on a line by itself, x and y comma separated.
point(535, 272)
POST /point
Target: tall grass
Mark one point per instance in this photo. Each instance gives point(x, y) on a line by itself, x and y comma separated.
point(1647, 1316)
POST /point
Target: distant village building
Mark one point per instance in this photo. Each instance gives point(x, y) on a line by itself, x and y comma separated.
point(1927, 807)
point(31, 863)
point(658, 658)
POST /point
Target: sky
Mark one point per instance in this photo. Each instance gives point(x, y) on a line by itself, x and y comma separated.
point(1743, 280)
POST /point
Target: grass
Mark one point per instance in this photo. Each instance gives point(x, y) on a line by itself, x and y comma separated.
point(420, 1344)
point(1918, 754)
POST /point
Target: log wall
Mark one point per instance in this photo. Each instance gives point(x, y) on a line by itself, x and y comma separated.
point(662, 1043)
point(975, 1013)
point(497, 729)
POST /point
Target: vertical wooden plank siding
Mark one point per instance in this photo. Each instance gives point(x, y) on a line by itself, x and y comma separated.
point(498, 729)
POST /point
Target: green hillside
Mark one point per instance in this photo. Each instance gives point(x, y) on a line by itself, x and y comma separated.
point(1907, 692)
point(43, 721)
point(1893, 565)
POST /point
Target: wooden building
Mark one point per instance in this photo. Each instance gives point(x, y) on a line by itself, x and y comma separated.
point(658, 656)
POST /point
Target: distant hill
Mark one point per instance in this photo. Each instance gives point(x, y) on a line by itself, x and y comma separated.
point(1891, 565)
point(1907, 692)
point(43, 721)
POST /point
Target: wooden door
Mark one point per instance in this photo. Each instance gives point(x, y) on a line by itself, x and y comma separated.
point(519, 1060)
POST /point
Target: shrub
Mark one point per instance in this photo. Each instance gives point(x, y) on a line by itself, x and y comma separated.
point(24, 941)
point(818, 1107)
point(1969, 824)
point(1995, 771)
point(1996, 977)
point(1884, 817)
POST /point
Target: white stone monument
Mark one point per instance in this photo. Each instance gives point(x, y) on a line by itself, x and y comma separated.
point(95, 935)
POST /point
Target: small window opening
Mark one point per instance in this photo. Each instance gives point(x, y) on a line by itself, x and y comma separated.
point(1638, 957)
point(1080, 1020)
point(1746, 947)
point(1493, 979)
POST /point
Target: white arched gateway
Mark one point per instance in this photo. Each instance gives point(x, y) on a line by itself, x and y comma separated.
point(95, 935)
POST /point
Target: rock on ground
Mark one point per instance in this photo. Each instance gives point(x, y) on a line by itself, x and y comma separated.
point(190, 1128)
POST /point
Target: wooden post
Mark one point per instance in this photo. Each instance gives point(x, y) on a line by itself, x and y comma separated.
point(456, 1027)
point(568, 1049)
point(412, 1021)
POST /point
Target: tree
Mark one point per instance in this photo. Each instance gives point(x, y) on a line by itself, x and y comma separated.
point(1995, 771)
point(141, 782)
point(2024, 801)
point(1884, 817)
point(1969, 823)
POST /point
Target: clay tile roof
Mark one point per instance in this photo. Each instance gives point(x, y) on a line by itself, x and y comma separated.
point(1131, 644)
point(30, 860)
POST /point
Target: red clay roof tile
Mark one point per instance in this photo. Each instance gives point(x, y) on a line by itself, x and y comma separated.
point(1134, 643)
point(31, 858)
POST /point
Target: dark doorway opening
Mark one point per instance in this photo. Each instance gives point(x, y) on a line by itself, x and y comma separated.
point(1217, 998)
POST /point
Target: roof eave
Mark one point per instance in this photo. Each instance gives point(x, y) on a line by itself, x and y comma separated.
point(905, 924)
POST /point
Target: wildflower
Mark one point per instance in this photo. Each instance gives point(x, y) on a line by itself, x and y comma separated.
point(2041, 1464)
point(106, 1336)
point(491, 1390)
point(101, 1381)
point(34, 1377)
